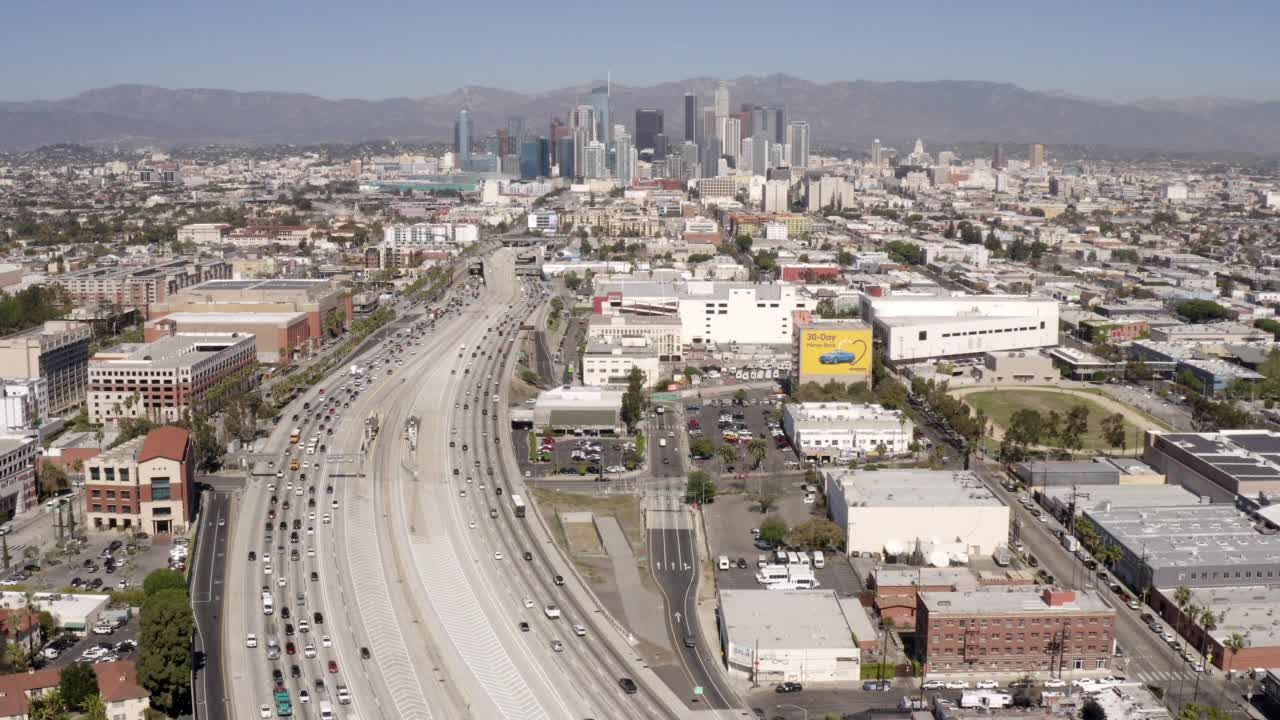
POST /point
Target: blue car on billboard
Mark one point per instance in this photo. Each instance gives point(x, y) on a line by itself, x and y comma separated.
point(835, 357)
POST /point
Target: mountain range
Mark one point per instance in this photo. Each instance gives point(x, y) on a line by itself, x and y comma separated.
point(852, 113)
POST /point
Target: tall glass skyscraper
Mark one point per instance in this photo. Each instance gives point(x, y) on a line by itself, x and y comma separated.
point(535, 159)
point(648, 127)
point(462, 132)
point(798, 139)
point(690, 117)
point(599, 101)
point(564, 153)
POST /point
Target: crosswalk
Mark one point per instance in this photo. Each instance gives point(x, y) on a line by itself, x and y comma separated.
point(456, 603)
point(383, 628)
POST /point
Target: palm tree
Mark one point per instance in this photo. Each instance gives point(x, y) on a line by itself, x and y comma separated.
point(1182, 598)
point(757, 450)
point(1208, 623)
point(1233, 645)
point(728, 454)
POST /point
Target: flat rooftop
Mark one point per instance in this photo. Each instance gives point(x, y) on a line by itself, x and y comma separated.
point(905, 576)
point(811, 619)
point(1245, 609)
point(1189, 535)
point(181, 350)
point(1242, 454)
point(998, 600)
point(913, 488)
point(1096, 497)
point(571, 396)
point(279, 319)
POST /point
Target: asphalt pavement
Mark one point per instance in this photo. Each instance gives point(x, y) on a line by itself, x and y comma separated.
point(208, 573)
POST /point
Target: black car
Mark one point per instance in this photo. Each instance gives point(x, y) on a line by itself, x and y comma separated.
point(295, 671)
point(315, 576)
point(284, 613)
point(628, 685)
point(252, 556)
point(276, 674)
point(788, 687)
point(1022, 684)
point(524, 627)
point(742, 563)
point(288, 629)
point(364, 653)
point(318, 618)
point(528, 556)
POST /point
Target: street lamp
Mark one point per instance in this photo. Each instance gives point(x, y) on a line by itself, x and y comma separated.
point(797, 707)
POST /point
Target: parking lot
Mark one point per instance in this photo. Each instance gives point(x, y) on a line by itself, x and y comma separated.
point(743, 419)
point(576, 455)
point(89, 566)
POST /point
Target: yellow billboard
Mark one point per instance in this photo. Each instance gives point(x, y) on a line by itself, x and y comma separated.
point(835, 352)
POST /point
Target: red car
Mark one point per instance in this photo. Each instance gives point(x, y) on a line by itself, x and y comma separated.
point(290, 648)
point(333, 666)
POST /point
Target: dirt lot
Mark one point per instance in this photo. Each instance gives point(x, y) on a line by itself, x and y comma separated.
point(626, 508)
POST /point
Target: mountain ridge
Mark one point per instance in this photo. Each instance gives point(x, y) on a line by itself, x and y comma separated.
point(842, 112)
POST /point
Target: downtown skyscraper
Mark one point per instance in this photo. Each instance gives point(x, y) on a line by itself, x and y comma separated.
point(690, 117)
point(599, 101)
point(798, 141)
point(462, 139)
point(648, 128)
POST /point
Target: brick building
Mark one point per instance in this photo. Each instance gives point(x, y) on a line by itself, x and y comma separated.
point(18, 492)
point(1019, 631)
point(897, 587)
point(146, 483)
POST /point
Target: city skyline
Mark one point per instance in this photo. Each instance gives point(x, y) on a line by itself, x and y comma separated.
point(1135, 55)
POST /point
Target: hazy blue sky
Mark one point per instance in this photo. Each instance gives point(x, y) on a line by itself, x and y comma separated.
point(1123, 49)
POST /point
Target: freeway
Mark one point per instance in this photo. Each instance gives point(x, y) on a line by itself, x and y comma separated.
point(421, 612)
point(207, 572)
point(1147, 658)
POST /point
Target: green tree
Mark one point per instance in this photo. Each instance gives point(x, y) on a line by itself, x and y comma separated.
point(163, 579)
point(572, 281)
point(1197, 311)
point(1091, 710)
point(49, 706)
point(209, 451)
point(164, 650)
point(1232, 646)
point(700, 488)
point(1113, 430)
point(773, 529)
point(1196, 711)
point(818, 533)
point(743, 243)
point(757, 450)
point(701, 448)
point(633, 398)
point(53, 479)
point(728, 455)
point(1074, 428)
point(95, 708)
point(77, 682)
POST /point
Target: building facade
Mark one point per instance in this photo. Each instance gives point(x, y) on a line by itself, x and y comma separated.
point(139, 288)
point(18, 491)
point(147, 483)
point(911, 328)
point(841, 431)
point(1046, 632)
point(163, 380)
point(24, 405)
point(58, 353)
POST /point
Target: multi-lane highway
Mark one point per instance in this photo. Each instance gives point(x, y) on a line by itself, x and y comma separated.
point(420, 588)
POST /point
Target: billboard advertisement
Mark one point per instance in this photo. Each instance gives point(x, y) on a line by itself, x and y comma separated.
point(835, 352)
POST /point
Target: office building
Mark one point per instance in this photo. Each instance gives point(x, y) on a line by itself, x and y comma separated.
point(24, 405)
point(827, 432)
point(1037, 156)
point(1219, 466)
point(875, 152)
point(203, 233)
point(516, 130)
point(626, 157)
point(731, 134)
point(997, 158)
point(139, 288)
point(779, 126)
point(1201, 545)
point(535, 159)
point(917, 327)
point(578, 406)
point(775, 196)
point(711, 152)
point(463, 137)
point(760, 154)
point(1244, 610)
point(593, 161)
point(18, 491)
point(565, 157)
point(608, 362)
point(722, 102)
point(648, 128)
point(58, 353)
point(798, 139)
point(277, 335)
point(599, 101)
point(164, 380)
point(325, 303)
point(951, 514)
point(746, 159)
point(806, 636)
point(1041, 631)
point(662, 333)
point(690, 117)
point(146, 484)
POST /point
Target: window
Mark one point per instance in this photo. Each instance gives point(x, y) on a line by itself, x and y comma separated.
point(924, 334)
point(160, 488)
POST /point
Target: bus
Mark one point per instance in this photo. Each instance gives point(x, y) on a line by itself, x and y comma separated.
point(518, 504)
point(295, 435)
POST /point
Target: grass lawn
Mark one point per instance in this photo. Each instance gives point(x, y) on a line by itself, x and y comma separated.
point(999, 405)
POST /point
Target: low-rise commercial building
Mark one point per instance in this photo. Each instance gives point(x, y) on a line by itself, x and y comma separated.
point(164, 379)
point(1221, 465)
point(278, 336)
point(888, 511)
point(204, 233)
point(580, 407)
point(662, 333)
point(772, 636)
point(608, 363)
point(18, 491)
point(24, 405)
point(1192, 545)
point(1058, 500)
point(147, 483)
point(1244, 610)
point(1018, 366)
point(57, 352)
point(916, 327)
point(1015, 630)
point(840, 431)
point(897, 586)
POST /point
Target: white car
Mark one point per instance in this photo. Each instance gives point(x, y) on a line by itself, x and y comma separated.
point(957, 685)
point(986, 684)
point(304, 697)
point(266, 569)
point(326, 518)
point(934, 685)
point(311, 552)
point(472, 524)
point(264, 711)
point(1054, 683)
point(497, 556)
point(310, 650)
point(281, 581)
point(326, 641)
point(580, 630)
point(103, 629)
point(251, 640)
point(528, 604)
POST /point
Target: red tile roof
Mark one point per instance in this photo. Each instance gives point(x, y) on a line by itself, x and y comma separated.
point(169, 442)
point(118, 681)
point(14, 688)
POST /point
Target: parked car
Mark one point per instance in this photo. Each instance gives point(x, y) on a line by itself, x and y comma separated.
point(788, 687)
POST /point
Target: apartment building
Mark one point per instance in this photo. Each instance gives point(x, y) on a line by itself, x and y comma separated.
point(204, 233)
point(58, 353)
point(1015, 630)
point(164, 379)
point(147, 483)
point(18, 492)
point(24, 405)
point(139, 287)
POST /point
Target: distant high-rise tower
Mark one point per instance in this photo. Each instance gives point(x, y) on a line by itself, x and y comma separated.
point(747, 158)
point(798, 139)
point(659, 146)
point(711, 151)
point(565, 155)
point(744, 118)
point(462, 137)
point(593, 161)
point(731, 134)
point(625, 162)
point(516, 129)
point(535, 158)
point(709, 125)
point(559, 131)
point(1037, 155)
point(600, 104)
point(584, 133)
point(875, 152)
point(760, 149)
point(997, 158)
point(779, 126)
point(648, 127)
point(690, 117)
point(722, 101)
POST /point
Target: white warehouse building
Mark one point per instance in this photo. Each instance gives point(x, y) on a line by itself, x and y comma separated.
point(916, 327)
point(951, 513)
point(839, 431)
point(792, 635)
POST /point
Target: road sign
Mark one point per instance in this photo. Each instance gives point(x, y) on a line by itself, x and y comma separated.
point(665, 397)
point(697, 690)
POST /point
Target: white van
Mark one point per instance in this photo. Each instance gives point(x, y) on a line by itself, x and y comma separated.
point(804, 558)
point(762, 560)
point(780, 557)
point(818, 560)
point(326, 710)
point(771, 574)
point(724, 562)
point(793, 558)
